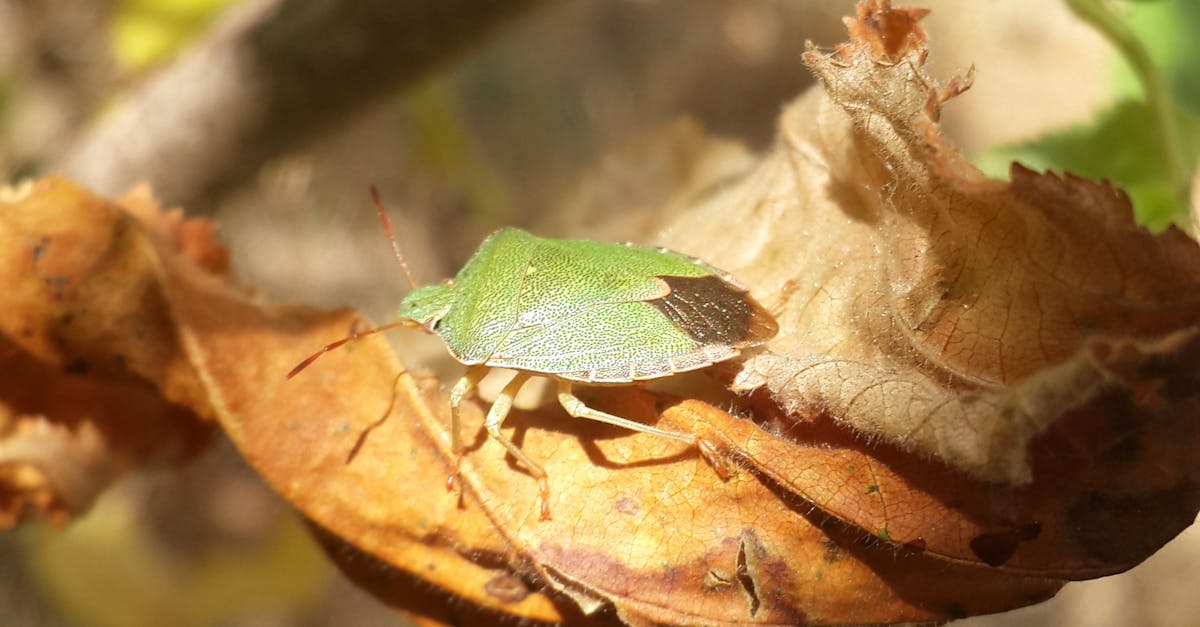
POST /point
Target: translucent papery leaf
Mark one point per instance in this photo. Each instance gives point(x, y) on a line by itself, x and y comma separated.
point(1001, 372)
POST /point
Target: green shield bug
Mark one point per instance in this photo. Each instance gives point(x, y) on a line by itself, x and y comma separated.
point(579, 312)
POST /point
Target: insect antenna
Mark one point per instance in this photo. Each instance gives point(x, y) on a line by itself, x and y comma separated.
point(346, 340)
point(387, 228)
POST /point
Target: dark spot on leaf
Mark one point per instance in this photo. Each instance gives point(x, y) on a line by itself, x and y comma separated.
point(57, 285)
point(629, 506)
point(995, 548)
point(955, 611)
point(77, 366)
point(39, 249)
point(711, 311)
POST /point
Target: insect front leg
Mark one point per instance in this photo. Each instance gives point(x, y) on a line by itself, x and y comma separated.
point(457, 394)
point(496, 416)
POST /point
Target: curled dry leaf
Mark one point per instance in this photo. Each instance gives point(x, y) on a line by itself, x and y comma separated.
point(1000, 373)
point(92, 383)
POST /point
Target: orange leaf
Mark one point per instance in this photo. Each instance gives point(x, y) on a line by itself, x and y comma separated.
point(92, 382)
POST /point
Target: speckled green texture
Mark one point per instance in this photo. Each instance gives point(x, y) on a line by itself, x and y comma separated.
point(588, 311)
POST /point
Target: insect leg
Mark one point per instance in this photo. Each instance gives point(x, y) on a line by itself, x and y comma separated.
point(711, 452)
point(578, 409)
point(457, 394)
point(495, 416)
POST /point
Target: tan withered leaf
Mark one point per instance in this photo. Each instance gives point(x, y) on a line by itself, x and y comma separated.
point(997, 372)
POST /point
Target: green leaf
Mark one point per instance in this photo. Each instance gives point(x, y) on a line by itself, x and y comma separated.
point(1147, 142)
point(1121, 145)
point(1168, 30)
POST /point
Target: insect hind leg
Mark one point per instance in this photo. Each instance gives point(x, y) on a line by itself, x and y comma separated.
point(579, 409)
point(711, 452)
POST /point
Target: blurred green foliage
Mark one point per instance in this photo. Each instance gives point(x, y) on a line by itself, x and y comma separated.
point(1121, 144)
point(1147, 142)
point(145, 32)
point(108, 570)
point(1168, 29)
point(446, 148)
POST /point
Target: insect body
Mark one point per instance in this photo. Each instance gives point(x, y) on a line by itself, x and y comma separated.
point(580, 312)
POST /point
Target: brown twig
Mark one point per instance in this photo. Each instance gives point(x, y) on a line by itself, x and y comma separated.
point(266, 78)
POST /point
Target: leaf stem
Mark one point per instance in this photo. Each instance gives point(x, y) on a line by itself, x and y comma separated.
point(1158, 99)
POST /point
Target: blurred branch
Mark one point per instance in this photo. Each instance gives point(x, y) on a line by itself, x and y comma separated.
point(268, 77)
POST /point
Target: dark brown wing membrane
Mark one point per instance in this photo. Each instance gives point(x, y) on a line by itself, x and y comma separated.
point(712, 311)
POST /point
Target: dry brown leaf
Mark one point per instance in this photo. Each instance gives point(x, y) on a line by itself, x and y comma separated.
point(941, 329)
point(1028, 334)
point(92, 380)
point(932, 307)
